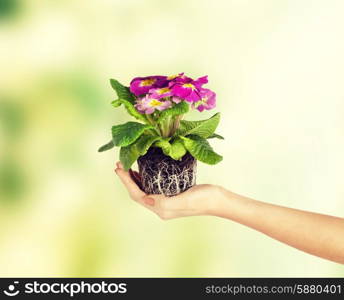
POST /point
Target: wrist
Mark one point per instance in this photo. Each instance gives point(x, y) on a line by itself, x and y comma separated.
point(226, 204)
point(217, 200)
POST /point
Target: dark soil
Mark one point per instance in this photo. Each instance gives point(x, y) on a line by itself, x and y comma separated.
point(160, 174)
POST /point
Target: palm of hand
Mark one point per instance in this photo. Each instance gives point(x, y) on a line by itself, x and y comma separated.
point(189, 203)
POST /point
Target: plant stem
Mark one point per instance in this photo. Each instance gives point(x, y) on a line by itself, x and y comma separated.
point(153, 123)
point(166, 126)
point(175, 124)
point(150, 120)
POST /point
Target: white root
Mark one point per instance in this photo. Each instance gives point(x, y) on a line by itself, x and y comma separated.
point(167, 176)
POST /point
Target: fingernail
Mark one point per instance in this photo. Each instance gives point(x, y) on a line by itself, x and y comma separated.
point(149, 201)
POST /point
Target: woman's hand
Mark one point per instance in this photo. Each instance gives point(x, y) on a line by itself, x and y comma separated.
point(198, 200)
point(317, 234)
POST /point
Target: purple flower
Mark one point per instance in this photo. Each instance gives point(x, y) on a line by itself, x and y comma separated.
point(140, 105)
point(160, 92)
point(186, 91)
point(181, 78)
point(142, 85)
point(172, 77)
point(208, 100)
point(148, 104)
point(153, 91)
point(200, 81)
point(186, 88)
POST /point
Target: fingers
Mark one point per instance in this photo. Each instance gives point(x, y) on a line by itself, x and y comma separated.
point(135, 177)
point(131, 186)
point(165, 207)
point(135, 192)
point(148, 200)
point(174, 203)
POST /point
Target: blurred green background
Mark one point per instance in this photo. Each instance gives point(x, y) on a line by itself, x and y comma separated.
point(277, 67)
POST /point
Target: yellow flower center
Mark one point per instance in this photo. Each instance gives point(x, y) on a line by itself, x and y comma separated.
point(155, 103)
point(200, 102)
point(147, 82)
point(172, 77)
point(163, 91)
point(189, 85)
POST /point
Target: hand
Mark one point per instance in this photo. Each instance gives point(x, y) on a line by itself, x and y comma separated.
point(290, 226)
point(198, 200)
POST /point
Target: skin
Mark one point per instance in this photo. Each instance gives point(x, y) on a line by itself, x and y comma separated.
point(317, 234)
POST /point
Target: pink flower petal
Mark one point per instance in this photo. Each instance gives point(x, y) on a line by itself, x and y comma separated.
point(176, 100)
point(200, 81)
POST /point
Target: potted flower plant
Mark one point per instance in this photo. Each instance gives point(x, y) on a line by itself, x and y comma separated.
point(165, 146)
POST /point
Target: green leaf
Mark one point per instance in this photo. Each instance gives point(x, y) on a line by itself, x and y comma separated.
point(122, 91)
point(145, 142)
point(129, 154)
point(217, 136)
point(176, 110)
point(175, 150)
point(125, 134)
point(107, 146)
point(130, 109)
point(204, 128)
point(164, 144)
point(200, 149)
